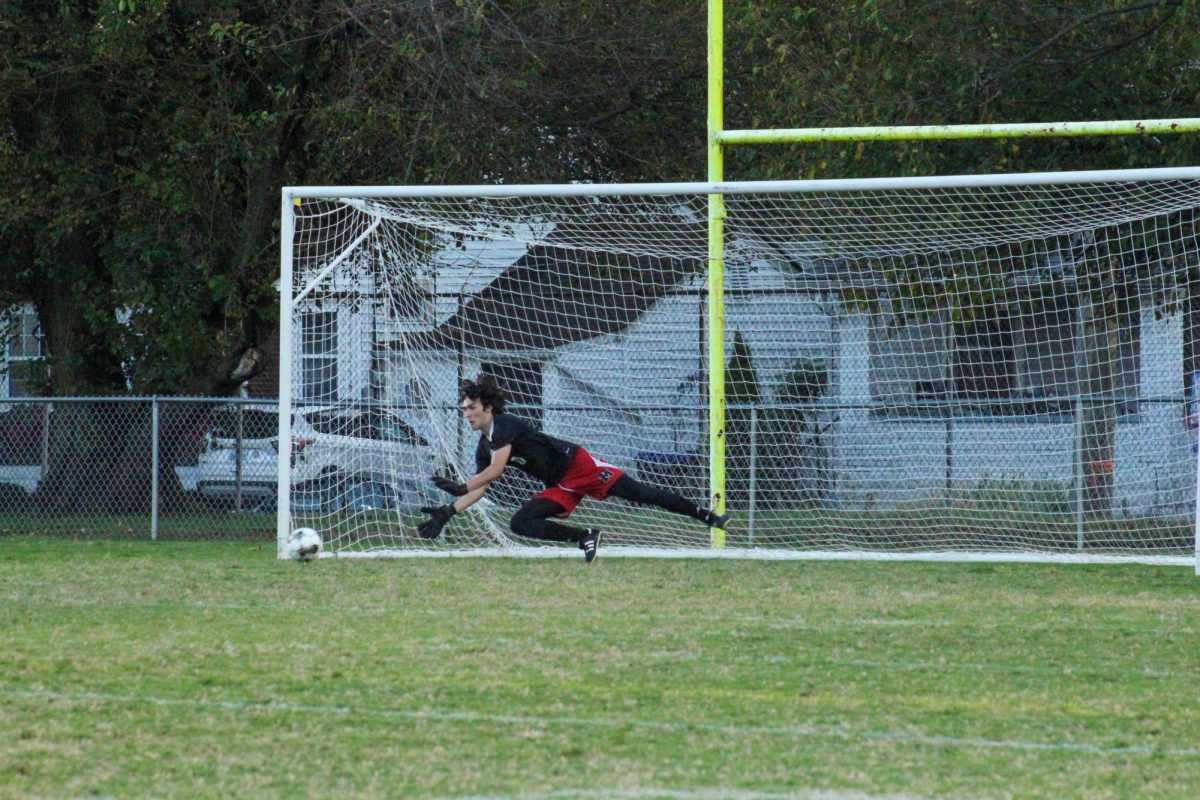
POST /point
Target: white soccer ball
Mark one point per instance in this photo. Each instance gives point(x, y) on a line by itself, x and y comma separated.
point(304, 544)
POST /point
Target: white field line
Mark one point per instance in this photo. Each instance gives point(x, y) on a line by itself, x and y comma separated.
point(475, 717)
point(765, 554)
point(690, 794)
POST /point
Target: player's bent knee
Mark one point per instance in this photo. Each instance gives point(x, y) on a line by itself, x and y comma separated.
point(523, 523)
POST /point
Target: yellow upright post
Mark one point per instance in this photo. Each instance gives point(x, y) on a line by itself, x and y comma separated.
point(716, 266)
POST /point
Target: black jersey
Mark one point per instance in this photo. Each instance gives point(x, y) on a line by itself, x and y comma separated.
point(544, 457)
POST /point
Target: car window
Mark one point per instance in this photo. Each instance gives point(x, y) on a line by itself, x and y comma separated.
point(256, 423)
point(372, 424)
point(365, 427)
point(393, 429)
point(337, 423)
point(345, 423)
point(320, 421)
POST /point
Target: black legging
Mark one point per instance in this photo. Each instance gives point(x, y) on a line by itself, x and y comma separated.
point(532, 519)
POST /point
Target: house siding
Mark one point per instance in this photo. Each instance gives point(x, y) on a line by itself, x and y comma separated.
point(890, 462)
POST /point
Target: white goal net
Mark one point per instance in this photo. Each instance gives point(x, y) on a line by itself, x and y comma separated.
point(983, 365)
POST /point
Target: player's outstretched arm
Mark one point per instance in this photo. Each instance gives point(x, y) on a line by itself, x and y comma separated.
point(482, 478)
point(468, 494)
point(492, 471)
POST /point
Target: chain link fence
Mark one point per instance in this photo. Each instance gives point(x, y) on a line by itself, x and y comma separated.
point(205, 469)
point(843, 472)
point(138, 467)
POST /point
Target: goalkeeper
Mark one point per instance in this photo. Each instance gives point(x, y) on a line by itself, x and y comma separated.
point(569, 472)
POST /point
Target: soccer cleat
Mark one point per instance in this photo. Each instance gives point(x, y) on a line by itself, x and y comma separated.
point(590, 544)
point(715, 520)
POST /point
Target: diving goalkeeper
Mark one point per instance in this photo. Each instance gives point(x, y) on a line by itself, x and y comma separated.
point(569, 472)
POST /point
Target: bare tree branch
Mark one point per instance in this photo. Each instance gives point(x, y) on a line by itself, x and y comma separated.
point(1087, 19)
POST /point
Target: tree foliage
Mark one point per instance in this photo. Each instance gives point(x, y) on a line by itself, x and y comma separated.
point(741, 395)
point(143, 146)
point(794, 459)
point(933, 62)
point(143, 142)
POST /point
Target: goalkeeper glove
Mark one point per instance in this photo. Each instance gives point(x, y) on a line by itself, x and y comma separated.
point(438, 517)
point(449, 485)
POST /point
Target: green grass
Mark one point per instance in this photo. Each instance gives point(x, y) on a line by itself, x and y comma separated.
point(171, 527)
point(134, 669)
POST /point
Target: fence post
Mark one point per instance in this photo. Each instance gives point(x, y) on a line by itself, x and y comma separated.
point(46, 408)
point(237, 467)
point(154, 468)
point(1079, 478)
point(753, 472)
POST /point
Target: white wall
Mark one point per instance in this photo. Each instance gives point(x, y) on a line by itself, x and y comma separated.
point(900, 460)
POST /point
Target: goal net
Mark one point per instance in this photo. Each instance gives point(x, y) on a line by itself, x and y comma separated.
point(973, 366)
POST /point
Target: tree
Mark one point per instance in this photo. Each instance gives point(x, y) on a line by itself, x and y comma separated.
point(741, 396)
point(937, 63)
point(794, 462)
point(143, 146)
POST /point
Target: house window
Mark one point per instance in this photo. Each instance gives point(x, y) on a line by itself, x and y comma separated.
point(318, 356)
point(983, 359)
point(1020, 359)
point(25, 368)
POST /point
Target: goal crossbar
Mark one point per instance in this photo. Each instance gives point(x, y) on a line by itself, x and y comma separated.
point(740, 187)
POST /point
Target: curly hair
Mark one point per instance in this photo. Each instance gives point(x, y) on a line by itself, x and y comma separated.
point(483, 389)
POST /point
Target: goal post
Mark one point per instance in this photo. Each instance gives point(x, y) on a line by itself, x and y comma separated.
point(961, 367)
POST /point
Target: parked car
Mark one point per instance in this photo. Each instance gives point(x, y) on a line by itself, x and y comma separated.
point(341, 457)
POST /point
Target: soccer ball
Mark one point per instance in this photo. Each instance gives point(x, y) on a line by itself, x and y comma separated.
point(304, 544)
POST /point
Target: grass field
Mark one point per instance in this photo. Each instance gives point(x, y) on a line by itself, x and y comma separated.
point(135, 669)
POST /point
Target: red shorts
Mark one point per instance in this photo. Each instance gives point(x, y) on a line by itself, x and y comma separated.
point(587, 476)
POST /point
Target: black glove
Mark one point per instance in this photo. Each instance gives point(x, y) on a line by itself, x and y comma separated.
point(449, 485)
point(438, 517)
